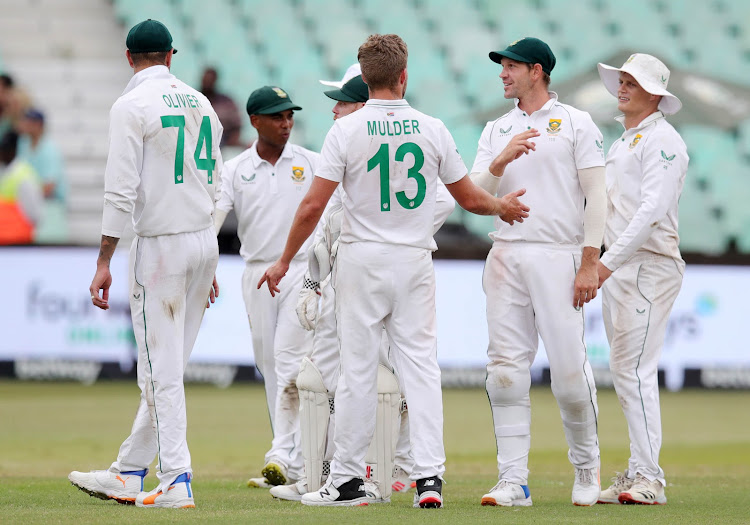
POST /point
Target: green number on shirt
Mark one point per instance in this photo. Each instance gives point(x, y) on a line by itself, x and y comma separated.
point(381, 159)
point(204, 136)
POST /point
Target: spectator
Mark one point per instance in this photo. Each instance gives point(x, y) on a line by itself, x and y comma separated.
point(37, 148)
point(20, 195)
point(225, 108)
point(6, 91)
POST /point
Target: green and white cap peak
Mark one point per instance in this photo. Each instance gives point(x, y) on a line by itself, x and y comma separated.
point(351, 72)
point(649, 72)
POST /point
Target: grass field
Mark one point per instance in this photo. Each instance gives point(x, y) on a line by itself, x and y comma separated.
point(49, 429)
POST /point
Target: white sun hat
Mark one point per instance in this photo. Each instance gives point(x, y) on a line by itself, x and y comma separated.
point(649, 72)
point(353, 71)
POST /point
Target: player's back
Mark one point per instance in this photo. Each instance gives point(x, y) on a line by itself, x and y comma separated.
point(393, 158)
point(171, 140)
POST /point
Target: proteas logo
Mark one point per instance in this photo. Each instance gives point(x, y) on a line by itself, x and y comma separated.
point(554, 126)
point(635, 142)
point(298, 174)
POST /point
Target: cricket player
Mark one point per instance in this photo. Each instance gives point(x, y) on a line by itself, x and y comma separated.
point(322, 366)
point(264, 185)
point(539, 274)
point(642, 268)
point(164, 167)
point(388, 157)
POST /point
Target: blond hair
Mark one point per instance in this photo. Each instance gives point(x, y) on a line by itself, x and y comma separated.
point(382, 58)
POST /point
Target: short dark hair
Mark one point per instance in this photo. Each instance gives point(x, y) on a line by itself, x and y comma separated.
point(154, 58)
point(545, 77)
point(6, 80)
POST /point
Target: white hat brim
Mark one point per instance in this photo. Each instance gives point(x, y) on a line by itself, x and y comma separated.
point(332, 83)
point(610, 76)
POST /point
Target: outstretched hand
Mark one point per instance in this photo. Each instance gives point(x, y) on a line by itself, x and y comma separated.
point(518, 145)
point(273, 276)
point(513, 210)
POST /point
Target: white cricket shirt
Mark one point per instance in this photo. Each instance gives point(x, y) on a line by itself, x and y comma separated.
point(164, 162)
point(569, 141)
point(266, 197)
point(388, 157)
point(646, 169)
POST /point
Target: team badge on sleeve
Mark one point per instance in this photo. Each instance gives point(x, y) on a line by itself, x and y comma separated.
point(298, 174)
point(555, 125)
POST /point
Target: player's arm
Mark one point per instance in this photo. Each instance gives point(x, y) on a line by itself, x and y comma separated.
point(489, 179)
point(444, 206)
point(121, 180)
point(103, 278)
point(659, 190)
point(305, 220)
point(594, 217)
point(474, 199)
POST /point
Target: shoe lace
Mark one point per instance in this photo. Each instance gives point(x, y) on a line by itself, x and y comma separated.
point(500, 485)
point(621, 482)
point(585, 476)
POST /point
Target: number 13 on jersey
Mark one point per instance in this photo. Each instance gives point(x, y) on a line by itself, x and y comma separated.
point(204, 136)
point(382, 159)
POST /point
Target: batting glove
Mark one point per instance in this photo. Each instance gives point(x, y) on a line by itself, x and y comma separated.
point(307, 304)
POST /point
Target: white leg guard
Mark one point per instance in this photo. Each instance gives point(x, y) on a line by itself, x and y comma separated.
point(314, 411)
point(382, 451)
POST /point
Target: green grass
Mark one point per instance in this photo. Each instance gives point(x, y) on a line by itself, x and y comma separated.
point(49, 429)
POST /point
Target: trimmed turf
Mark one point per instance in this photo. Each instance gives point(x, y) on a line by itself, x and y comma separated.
point(49, 429)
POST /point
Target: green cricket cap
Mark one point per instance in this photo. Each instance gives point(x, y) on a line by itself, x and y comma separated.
point(149, 36)
point(530, 50)
point(269, 100)
point(355, 90)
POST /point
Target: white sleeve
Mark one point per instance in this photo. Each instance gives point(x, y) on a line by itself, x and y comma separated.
point(589, 149)
point(225, 197)
point(592, 181)
point(219, 166)
point(332, 165)
point(444, 205)
point(659, 185)
point(452, 167)
point(485, 155)
point(124, 164)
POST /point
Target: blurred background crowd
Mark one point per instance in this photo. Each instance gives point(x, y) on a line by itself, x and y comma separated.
point(63, 65)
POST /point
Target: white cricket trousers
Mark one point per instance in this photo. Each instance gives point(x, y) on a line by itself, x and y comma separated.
point(389, 284)
point(279, 344)
point(327, 359)
point(170, 278)
point(636, 302)
point(529, 288)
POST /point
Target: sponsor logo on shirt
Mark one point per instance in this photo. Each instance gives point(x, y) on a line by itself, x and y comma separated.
point(298, 174)
point(555, 125)
point(505, 132)
point(251, 178)
point(666, 160)
point(598, 144)
point(635, 142)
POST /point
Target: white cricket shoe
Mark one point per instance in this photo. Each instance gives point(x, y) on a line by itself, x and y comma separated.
point(620, 483)
point(179, 495)
point(429, 494)
point(275, 472)
point(349, 494)
point(401, 481)
point(644, 492)
point(291, 492)
point(123, 487)
point(507, 494)
point(259, 483)
point(373, 493)
point(586, 487)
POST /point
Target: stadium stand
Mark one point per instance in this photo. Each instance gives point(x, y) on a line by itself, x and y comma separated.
point(68, 55)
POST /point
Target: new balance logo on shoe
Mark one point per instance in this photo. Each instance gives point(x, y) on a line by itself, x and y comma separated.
point(325, 492)
point(429, 483)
